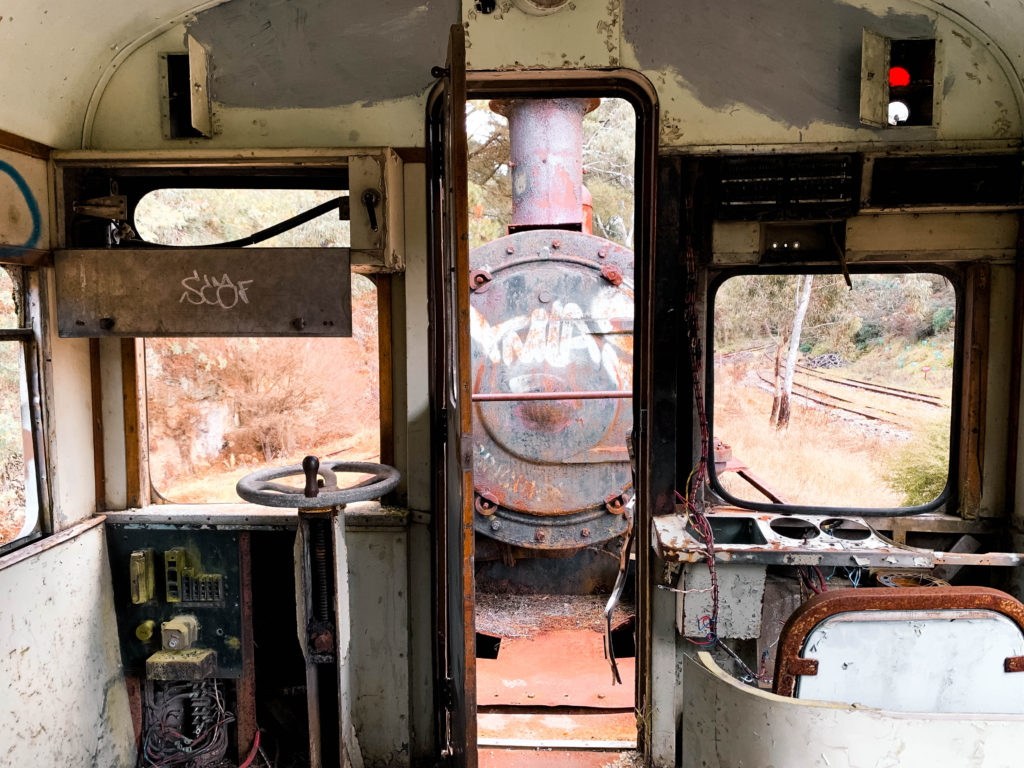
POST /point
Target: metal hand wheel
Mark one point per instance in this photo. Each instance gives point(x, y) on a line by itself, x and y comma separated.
point(259, 488)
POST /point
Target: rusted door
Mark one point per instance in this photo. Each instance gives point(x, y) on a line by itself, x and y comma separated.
point(451, 360)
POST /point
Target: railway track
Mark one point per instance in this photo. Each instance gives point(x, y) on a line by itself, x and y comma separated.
point(820, 397)
point(892, 405)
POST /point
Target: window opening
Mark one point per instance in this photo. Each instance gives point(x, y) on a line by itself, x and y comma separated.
point(550, 188)
point(828, 397)
point(220, 408)
point(19, 473)
point(196, 217)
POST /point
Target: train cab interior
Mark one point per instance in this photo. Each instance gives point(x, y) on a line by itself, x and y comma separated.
point(511, 383)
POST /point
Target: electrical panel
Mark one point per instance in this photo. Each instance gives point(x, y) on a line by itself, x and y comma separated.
point(178, 601)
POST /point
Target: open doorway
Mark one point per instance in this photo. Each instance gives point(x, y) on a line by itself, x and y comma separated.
point(552, 304)
point(454, 382)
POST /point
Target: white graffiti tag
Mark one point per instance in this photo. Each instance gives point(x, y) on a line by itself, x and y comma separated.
point(558, 335)
point(223, 293)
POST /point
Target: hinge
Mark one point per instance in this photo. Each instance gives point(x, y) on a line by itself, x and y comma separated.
point(443, 429)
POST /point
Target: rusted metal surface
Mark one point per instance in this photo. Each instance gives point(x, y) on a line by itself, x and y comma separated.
point(551, 338)
point(546, 160)
point(789, 664)
point(505, 397)
point(193, 664)
point(563, 668)
point(246, 700)
point(578, 726)
point(759, 537)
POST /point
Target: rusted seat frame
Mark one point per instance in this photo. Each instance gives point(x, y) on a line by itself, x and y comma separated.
point(789, 664)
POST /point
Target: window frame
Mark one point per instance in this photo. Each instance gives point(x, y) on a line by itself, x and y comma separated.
point(947, 500)
point(27, 281)
point(133, 358)
point(135, 180)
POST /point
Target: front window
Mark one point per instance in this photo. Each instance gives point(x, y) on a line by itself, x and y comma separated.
point(220, 408)
point(827, 396)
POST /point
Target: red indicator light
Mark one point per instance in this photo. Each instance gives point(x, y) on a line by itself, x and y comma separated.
point(898, 76)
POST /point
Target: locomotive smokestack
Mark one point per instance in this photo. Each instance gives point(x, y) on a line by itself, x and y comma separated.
point(546, 137)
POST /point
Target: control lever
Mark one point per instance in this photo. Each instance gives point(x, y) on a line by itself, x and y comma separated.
point(371, 198)
point(310, 468)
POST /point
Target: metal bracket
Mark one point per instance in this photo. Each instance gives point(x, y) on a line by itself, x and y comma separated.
point(108, 207)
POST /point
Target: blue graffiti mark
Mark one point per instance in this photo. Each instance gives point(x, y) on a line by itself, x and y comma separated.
point(30, 201)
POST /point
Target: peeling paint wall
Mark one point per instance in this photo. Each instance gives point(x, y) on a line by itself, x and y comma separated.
point(740, 71)
point(62, 694)
point(318, 54)
point(271, 54)
point(755, 72)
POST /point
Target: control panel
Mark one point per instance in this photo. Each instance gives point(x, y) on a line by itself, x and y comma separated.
point(178, 601)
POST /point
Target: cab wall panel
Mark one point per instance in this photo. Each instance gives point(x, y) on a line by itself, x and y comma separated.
point(23, 201)
point(63, 699)
point(54, 54)
point(752, 71)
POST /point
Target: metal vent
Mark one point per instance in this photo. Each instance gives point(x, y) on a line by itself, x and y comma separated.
point(955, 180)
point(788, 188)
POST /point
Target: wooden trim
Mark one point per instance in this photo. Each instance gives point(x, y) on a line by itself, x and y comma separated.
point(977, 312)
point(37, 548)
point(1013, 433)
point(136, 449)
point(385, 372)
point(25, 257)
point(247, 727)
point(134, 686)
point(15, 143)
point(99, 467)
point(412, 154)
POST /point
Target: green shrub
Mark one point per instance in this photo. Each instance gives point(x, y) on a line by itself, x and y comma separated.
point(919, 471)
point(942, 318)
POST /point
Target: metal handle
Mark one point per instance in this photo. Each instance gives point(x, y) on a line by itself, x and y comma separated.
point(310, 468)
point(371, 198)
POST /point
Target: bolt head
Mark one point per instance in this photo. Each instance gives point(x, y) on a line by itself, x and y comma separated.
point(585, 533)
point(540, 536)
point(511, 249)
point(556, 244)
point(495, 525)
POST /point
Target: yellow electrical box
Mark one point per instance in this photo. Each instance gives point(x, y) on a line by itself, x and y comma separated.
point(141, 576)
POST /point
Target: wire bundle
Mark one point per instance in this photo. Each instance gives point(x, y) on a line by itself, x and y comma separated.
point(696, 519)
point(186, 725)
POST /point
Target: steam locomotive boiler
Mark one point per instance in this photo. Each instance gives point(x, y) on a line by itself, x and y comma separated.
point(552, 345)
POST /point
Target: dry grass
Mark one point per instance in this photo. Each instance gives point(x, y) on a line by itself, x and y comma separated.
point(821, 459)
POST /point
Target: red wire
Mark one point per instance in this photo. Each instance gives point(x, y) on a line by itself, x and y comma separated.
point(252, 752)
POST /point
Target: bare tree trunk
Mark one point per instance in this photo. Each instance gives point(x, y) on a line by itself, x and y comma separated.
point(777, 399)
point(803, 299)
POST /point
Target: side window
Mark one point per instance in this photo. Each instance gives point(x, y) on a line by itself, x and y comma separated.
point(20, 518)
point(830, 397)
